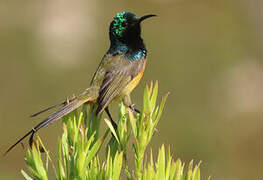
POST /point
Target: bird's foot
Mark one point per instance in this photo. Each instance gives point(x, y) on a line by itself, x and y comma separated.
point(134, 109)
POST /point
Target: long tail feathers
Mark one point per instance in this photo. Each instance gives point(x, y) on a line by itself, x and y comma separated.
point(21, 139)
point(59, 113)
point(47, 109)
point(89, 95)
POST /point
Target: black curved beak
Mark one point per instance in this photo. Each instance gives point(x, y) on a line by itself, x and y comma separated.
point(146, 17)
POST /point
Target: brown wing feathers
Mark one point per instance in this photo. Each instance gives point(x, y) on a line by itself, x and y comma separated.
point(116, 79)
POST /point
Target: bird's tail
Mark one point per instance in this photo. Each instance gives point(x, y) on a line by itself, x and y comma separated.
point(90, 95)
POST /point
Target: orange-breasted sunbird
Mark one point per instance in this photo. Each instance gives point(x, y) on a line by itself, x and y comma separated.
point(119, 72)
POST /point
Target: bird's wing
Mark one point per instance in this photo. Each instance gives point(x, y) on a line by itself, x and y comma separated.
point(118, 74)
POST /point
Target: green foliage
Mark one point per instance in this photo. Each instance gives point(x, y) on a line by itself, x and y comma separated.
point(35, 164)
point(77, 152)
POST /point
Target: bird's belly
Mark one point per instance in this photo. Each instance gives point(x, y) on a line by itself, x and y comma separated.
point(128, 89)
point(134, 82)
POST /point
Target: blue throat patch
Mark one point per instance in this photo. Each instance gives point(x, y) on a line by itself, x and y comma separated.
point(122, 48)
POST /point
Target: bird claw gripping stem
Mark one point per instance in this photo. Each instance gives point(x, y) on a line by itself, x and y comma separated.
point(134, 109)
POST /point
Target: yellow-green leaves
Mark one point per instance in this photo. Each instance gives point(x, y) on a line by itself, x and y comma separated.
point(113, 166)
point(143, 126)
point(35, 165)
point(78, 148)
point(167, 169)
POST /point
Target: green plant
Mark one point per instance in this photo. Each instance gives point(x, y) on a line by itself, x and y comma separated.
point(77, 152)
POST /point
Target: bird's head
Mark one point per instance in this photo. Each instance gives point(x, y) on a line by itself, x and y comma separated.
point(126, 27)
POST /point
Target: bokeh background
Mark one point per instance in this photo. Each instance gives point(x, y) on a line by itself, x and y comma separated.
point(208, 54)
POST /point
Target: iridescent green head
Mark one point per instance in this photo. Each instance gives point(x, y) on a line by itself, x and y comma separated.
point(126, 25)
point(120, 22)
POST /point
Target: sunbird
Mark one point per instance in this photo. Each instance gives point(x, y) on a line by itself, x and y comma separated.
point(119, 72)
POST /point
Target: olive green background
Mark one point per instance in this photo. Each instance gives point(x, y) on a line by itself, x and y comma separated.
point(206, 53)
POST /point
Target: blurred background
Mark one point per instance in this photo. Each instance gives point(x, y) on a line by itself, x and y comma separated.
point(208, 54)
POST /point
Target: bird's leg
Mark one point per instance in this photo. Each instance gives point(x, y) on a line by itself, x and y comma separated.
point(127, 102)
point(134, 109)
point(111, 120)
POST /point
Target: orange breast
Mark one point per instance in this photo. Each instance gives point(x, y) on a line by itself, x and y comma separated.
point(134, 82)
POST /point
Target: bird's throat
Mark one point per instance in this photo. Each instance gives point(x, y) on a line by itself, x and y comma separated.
point(133, 52)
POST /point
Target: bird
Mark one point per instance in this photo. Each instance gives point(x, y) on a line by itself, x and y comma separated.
point(118, 73)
